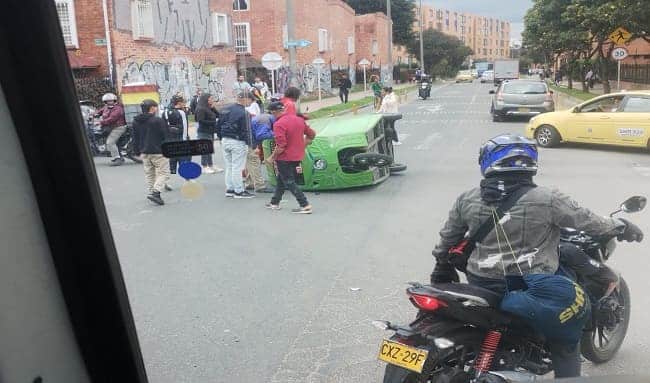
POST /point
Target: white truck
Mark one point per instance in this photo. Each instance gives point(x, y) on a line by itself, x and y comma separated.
point(505, 70)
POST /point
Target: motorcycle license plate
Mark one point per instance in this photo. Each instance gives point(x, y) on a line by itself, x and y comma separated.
point(524, 110)
point(402, 355)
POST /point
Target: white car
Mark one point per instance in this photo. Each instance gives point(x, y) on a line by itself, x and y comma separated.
point(487, 76)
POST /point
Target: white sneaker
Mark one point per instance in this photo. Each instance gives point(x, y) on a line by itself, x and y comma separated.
point(397, 143)
point(208, 170)
point(217, 169)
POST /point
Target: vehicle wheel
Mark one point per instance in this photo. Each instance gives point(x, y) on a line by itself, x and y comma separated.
point(396, 168)
point(609, 338)
point(547, 136)
point(496, 117)
point(371, 159)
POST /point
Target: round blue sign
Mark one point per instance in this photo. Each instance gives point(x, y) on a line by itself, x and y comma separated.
point(189, 170)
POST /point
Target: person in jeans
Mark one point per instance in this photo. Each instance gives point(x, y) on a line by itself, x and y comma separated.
point(290, 132)
point(150, 131)
point(206, 116)
point(113, 121)
point(344, 88)
point(234, 130)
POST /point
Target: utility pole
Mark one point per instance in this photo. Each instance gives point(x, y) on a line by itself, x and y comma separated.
point(292, 48)
point(421, 42)
point(390, 43)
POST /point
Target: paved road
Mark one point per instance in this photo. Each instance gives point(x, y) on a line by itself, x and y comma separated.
point(225, 291)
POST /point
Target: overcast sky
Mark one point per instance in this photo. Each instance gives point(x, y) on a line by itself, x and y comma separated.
point(511, 10)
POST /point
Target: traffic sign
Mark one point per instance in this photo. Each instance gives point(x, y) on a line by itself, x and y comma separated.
point(620, 35)
point(299, 43)
point(271, 61)
point(619, 53)
point(364, 62)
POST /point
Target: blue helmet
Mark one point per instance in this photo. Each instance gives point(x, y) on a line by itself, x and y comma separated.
point(508, 153)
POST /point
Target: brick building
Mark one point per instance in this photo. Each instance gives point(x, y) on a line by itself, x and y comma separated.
point(489, 38)
point(178, 46)
point(330, 25)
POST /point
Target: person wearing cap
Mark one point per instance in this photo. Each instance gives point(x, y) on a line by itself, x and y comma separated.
point(234, 131)
point(150, 131)
point(290, 132)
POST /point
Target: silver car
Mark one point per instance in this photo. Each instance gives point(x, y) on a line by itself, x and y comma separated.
point(521, 98)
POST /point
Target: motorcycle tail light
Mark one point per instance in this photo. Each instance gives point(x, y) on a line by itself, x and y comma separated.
point(425, 302)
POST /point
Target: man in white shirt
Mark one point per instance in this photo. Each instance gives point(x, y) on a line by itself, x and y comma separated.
point(241, 85)
point(390, 104)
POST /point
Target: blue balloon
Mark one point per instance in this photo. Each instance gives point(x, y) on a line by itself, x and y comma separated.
point(189, 170)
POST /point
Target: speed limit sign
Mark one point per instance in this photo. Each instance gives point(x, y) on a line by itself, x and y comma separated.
point(619, 54)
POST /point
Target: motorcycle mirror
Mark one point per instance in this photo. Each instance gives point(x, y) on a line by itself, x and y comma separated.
point(634, 204)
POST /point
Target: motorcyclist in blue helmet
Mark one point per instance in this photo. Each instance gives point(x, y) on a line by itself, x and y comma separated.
point(531, 224)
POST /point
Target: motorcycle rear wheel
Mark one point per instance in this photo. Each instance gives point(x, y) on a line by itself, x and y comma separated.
point(600, 345)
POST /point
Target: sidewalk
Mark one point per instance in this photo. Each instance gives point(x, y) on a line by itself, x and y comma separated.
point(311, 106)
point(598, 88)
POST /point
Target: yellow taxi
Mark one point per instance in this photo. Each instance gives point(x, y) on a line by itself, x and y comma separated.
point(464, 76)
point(612, 119)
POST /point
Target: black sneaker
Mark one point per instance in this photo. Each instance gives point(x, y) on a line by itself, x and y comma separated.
point(271, 206)
point(244, 194)
point(230, 193)
point(116, 161)
point(302, 210)
point(155, 198)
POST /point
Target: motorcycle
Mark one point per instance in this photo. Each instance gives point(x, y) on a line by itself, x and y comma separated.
point(460, 335)
point(97, 140)
point(424, 90)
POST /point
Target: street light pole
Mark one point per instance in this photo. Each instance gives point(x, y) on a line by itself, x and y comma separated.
point(421, 42)
point(293, 69)
point(390, 43)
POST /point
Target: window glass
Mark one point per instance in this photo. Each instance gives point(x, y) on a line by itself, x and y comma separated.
point(608, 104)
point(637, 105)
point(524, 88)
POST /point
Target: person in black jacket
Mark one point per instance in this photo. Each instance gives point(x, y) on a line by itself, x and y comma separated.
point(206, 116)
point(195, 101)
point(234, 130)
point(344, 88)
point(178, 129)
point(150, 132)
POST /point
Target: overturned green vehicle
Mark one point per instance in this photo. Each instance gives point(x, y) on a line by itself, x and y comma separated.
point(348, 152)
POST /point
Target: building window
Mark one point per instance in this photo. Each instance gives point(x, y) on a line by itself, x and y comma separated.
point(430, 24)
point(242, 37)
point(65, 11)
point(375, 47)
point(142, 19)
point(323, 40)
point(490, 51)
point(439, 26)
point(350, 45)
point(456, 25)
point(220, 29)
point(485, 42)
point(240, 5)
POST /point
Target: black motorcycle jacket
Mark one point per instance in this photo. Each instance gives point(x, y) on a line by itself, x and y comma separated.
point(531, 231)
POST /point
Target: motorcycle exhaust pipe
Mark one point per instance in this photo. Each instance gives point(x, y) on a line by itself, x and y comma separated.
point(513, 376)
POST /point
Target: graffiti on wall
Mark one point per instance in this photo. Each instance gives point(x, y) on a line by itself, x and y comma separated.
point(174, 21)
point(180, 75)
point(307, 79)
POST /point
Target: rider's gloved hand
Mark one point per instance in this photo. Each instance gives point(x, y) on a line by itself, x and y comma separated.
point(444, 272)
point(631, 233)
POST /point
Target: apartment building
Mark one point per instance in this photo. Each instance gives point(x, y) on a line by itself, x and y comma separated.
point(489, 38)
point(179, 46)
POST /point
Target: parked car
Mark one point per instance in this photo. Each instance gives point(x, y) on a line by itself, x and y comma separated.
point(615, 119)
point(348, 152)
point(521, 98)
point(464, 76)
point(487, 76)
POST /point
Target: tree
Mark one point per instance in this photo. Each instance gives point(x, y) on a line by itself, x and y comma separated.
point(600, 18)
point(443, 54)
point(402, 13)
point(550, 33)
